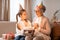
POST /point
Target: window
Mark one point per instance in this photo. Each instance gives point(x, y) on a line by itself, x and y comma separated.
point(14, 8)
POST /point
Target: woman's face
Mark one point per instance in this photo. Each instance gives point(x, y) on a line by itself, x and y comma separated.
point(24, 15)
point(39, 13)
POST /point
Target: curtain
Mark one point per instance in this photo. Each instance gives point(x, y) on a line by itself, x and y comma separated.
point(5, 10)
point(0, 8)
point(27, 4)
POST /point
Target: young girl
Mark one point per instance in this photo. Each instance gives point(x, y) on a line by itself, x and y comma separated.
point(22, 25)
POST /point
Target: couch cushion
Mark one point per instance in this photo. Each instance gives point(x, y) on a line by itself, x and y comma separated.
point(6, 27)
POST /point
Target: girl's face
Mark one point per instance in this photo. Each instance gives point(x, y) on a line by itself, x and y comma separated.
point(39, 13)
point(24, 15)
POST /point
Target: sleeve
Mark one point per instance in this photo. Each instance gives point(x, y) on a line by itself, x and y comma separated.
point(48, 28)
point(19, 25)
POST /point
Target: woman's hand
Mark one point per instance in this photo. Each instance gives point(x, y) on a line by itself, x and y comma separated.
point(35, 25)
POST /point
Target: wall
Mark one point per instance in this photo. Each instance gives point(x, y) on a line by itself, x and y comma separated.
point(51, 7)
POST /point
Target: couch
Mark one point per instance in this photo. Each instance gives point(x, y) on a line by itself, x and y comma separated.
point(6, 27)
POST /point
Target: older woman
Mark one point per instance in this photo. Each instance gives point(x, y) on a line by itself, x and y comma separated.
point(41, 24)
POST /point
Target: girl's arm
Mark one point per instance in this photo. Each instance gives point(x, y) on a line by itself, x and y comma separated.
point(19, 26)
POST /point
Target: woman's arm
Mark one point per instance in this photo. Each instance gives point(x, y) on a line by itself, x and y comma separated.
point(35, 26)
point(48, 29)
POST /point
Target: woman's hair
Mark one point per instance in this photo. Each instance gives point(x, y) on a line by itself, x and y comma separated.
point(40, 7)
point(19, 13)
point(43, 8)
